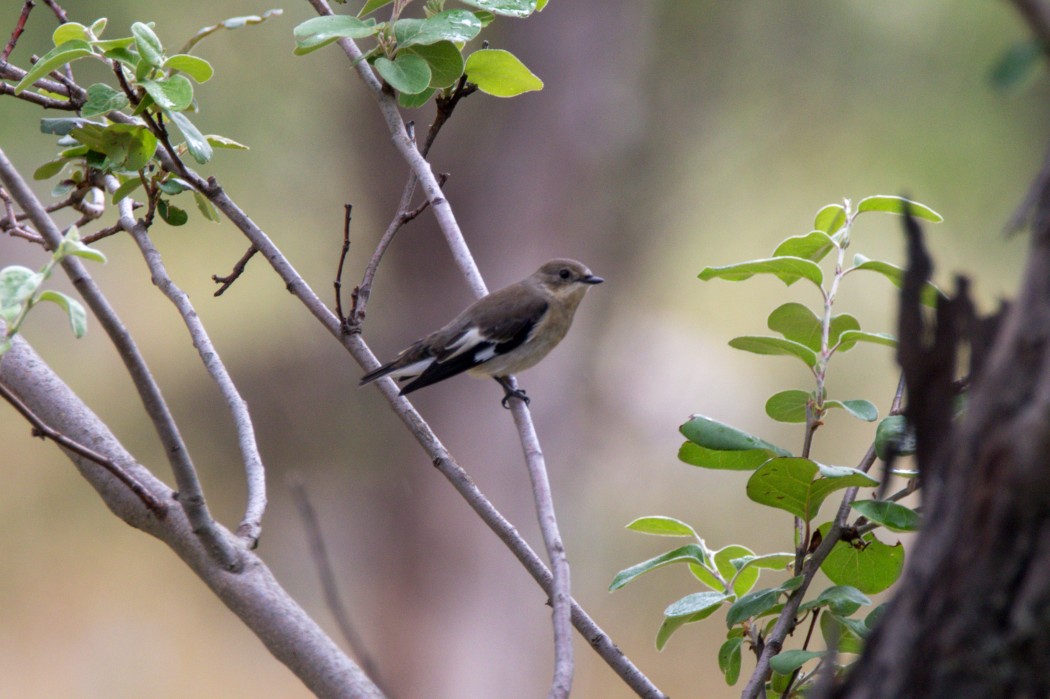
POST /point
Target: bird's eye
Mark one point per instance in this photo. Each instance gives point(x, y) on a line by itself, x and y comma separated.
point(565, 273)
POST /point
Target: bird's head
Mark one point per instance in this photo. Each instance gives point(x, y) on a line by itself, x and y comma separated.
point(565, 278)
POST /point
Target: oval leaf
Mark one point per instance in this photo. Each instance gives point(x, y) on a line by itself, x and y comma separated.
point(75, 311)
point(735, 460)
point(729, 659)
point(830, 218)
point(149, 47)
point(690, 553)
point(55, 58)
point(892, 515)
point(508, 8)
point(453, 25)
point(321, 31)
point(407, 73)
point(787, 269)
point(103, 99)
point(797, 323)
point(812, 246)
point(445, 61)
point(850, 338)
point(871, 566)
point(858, 408)
point(800, 486)
point(895, 274)
point(788, 406)
point(787, 661)
point(197, 68)
point(713, 434)
point(774, 346)
point(661, 526)
point(197, 145)
point(898, 205)
point(174, 93)
point(499, 73)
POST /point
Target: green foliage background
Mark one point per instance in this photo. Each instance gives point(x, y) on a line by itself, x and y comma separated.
point(669, 136)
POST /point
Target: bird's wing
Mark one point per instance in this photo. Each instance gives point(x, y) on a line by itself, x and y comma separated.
point(498, 325)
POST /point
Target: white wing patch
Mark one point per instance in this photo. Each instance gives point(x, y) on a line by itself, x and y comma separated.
point(412, 370)
point(465, 342)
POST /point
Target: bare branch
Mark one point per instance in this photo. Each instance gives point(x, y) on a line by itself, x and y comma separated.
point(254, 471)
point(253, 595)
point(235, 274)
point(20, 27)
point(191, 497)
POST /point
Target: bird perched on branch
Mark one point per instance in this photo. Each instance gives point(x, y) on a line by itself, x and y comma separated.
point(501, 334)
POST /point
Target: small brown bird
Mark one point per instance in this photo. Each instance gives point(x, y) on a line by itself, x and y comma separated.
point(501, 334)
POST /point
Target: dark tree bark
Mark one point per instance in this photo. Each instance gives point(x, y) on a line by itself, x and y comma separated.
point(971, 617)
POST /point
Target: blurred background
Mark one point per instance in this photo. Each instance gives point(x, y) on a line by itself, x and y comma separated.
point(669, 136)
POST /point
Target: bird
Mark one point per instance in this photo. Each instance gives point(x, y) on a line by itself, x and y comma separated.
point(500, 334)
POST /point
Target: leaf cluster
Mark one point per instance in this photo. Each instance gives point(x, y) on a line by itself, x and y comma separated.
point(858, 563)
point(420, 57)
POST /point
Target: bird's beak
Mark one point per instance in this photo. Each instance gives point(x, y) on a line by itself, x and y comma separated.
point(591, 279)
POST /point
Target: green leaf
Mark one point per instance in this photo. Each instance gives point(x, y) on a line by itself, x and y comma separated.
point(499, 73)
point(71, 31)
point(174, 185)
point(812, 246)
point(103, 99)
point(453, 25)
point(893, 434)
point(320, 31)
point(690, 553)
point(197, 145)
point(729, 659)
point(172, 215)
point(728, 560)
point(17, 284)
point(929, 294)
point(690, 608)
point(870, 566)
point(898, 205)
point(800, 486)
point(774, 346)
point(716, 435)
point(50, 169)
point(206, 208)
point(126, 188)
point(798, 324)
point(98, 26)
point(662, 526)
point(118, 45)
point(141, 148)
point(197, 68)
point(223, 142)
point(75, 311)
point(174, 93)
point(787, 269)
point(149, 47)
point(892, 515)
point(753, 604)
point(445, 61)
point(417, 100)
point(850, 338)
point(231, 24)
point(841, 634)
point(63, 126)
point(72, 245)
point(830, 218)
point(734, 460)
point(843, 600)
point(372, 6)
point(788, 406)
point(507, 8)
point(407, 73)
point(787, 661)
point(841, 325)
point(858, 408)
point(1016, 65)
point(55, 58)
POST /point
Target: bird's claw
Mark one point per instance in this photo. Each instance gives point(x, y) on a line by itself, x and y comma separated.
point(518, 393)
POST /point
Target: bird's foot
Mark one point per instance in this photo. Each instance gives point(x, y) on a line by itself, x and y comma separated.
point(509, 391)
point(518, 393)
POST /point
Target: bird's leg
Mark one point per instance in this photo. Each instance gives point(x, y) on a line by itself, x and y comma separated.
point(510, 392)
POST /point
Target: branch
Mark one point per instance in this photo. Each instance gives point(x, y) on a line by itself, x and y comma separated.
point(253, 595)
point(254, 471)
point(238, 269)
point(20, 27)
point(406, 147)
point(191, 496)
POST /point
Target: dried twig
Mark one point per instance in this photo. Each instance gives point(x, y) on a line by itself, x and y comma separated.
point(234, 275)
point(20, 27)
point(41, 429)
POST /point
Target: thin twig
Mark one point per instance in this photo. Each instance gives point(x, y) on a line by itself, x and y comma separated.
point(60, 14)
point(235, 273)
point(319, 553)
point(20, 27)
point(41, 429)
point(190, 495)
point(254, 471)
point(339, 270)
